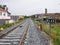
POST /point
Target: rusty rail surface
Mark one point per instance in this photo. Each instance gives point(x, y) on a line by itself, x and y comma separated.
point(8, 30)
point(24, 36)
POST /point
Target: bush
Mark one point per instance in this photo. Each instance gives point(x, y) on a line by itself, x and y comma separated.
point(56, 41)
point(6, 26)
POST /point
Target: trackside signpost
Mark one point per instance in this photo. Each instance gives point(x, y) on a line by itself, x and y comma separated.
point(50, 21)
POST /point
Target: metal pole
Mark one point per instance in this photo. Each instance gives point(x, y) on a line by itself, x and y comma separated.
point(50, 29)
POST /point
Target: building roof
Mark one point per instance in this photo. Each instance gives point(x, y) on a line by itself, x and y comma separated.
point(8, 12)
point(56, 15)
point(50, 14)
point(1, 9)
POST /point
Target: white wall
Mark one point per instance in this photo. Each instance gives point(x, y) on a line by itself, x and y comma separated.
point(11, 21)
point(0, 13)
point(5, 16)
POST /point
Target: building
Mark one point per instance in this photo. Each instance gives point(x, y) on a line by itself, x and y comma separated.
point(21, 17)
point(45, 11)
point(15, 18)
point(4, 16)
point(55, 17)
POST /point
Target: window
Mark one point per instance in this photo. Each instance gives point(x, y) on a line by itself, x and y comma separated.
point(4, 14)
point(8, 14)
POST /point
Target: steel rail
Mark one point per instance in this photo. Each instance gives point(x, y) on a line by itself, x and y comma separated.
point(8, 30)
point(24, 36)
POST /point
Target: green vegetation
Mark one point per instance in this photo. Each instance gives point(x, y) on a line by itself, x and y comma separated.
point(26, 16)
point(55, 31)
point(33, 17)
point(3, 6)
point(5, 26)
point(8, 25)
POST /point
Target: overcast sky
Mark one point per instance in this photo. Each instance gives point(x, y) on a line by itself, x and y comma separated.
point(28, 7)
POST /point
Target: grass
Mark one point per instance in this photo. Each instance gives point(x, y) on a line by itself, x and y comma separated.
point(55, 31)
point(56, 41)
point(8, 25)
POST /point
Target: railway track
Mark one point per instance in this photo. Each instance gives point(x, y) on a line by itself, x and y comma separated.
point(16, 36)
point(23, 34)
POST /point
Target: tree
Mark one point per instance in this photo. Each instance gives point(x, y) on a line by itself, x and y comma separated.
point(26, 16)
point(33, 16)
point(4, 6)
point(0, 6)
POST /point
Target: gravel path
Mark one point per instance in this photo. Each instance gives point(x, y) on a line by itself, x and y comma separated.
point(34, 37)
